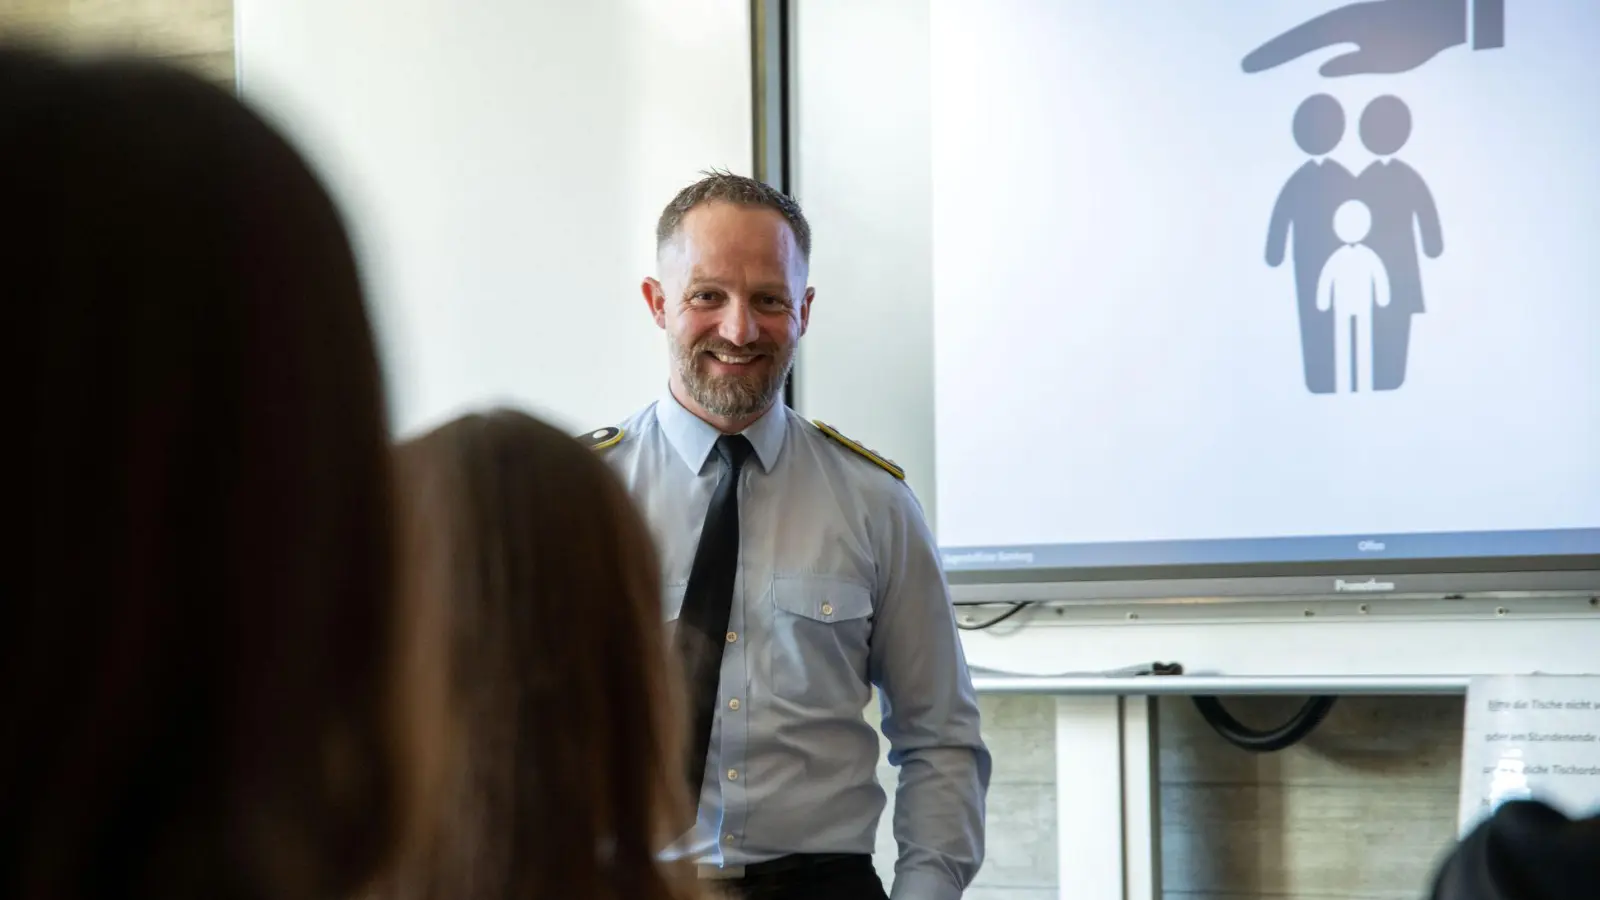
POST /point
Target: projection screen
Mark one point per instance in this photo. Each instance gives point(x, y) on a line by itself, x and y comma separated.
point(1275, 298)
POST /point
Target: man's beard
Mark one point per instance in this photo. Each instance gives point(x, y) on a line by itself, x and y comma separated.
point(733, 396)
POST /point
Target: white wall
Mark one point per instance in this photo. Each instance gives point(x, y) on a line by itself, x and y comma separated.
point(502, 163)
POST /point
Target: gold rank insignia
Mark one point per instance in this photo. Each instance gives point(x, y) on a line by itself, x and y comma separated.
point(602, 438)
point(882, 462)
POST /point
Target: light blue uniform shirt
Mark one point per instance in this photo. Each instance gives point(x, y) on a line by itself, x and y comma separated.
point(838, 588)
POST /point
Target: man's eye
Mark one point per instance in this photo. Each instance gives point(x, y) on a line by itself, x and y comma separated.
point(705, 297)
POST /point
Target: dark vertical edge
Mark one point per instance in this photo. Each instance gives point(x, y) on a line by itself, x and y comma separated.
point(758, 88)
point(769, 65)
point(769, 82)
point(781, 19)
point(783, 15)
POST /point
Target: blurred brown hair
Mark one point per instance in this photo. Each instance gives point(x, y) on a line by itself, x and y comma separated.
point(198, 641)
point(572, 777)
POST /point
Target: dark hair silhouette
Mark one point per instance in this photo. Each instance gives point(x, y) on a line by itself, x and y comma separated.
point(1385, 125)
point(1318, 124)
point(197, 636)
point(568, 704)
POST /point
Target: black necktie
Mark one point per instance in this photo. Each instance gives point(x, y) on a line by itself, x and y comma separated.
point(707, 600)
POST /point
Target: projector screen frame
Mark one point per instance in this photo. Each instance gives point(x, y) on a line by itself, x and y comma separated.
point(772, 117)
point(1441, 579)
point(1376, 578)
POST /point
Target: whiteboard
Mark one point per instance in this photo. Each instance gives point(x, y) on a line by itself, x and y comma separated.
point(1128, 233)
point(1557, 638)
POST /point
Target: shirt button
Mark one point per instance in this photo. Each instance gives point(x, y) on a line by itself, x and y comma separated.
point(733, 636)
point(727, 839)
point(827, 609)
point(733, 774)
point(734, 703)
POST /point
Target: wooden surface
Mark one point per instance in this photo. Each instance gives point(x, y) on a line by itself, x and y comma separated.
point(1362, 809)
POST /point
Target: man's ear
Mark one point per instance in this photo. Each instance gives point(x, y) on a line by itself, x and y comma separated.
point(805, 309)
point(656, 299)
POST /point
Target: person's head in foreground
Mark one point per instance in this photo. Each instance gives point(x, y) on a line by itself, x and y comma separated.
point(1525, 850)
point(572, 779)
point(732, 257)
point(198, 639)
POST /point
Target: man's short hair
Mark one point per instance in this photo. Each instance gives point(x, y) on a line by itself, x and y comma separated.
point(726, 187)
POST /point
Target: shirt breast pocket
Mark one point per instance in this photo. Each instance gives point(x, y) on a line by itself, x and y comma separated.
point(821, 632)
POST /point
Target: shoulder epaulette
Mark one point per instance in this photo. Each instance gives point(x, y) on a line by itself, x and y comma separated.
point(881, 461)
point(602, 438)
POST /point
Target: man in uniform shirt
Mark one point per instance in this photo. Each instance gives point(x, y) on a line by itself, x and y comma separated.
point(800, 573)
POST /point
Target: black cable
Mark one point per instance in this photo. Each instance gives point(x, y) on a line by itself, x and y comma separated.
point(1015, 608)
point(1270, 740)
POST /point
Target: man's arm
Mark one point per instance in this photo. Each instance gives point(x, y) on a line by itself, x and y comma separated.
point(1325, 284)
point(1488, 24)
point(1278, 226)
point(930, 712)
point(1427, 214)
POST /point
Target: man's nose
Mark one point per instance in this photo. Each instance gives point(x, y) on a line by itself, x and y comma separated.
point(738, 325)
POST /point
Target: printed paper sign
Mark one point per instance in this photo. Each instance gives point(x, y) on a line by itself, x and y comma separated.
point(1531, 737)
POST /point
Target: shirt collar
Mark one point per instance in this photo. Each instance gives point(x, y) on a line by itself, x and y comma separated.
point(694, 439)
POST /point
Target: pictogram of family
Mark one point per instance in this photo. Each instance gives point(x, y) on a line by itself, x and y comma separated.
point(1357, 275)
